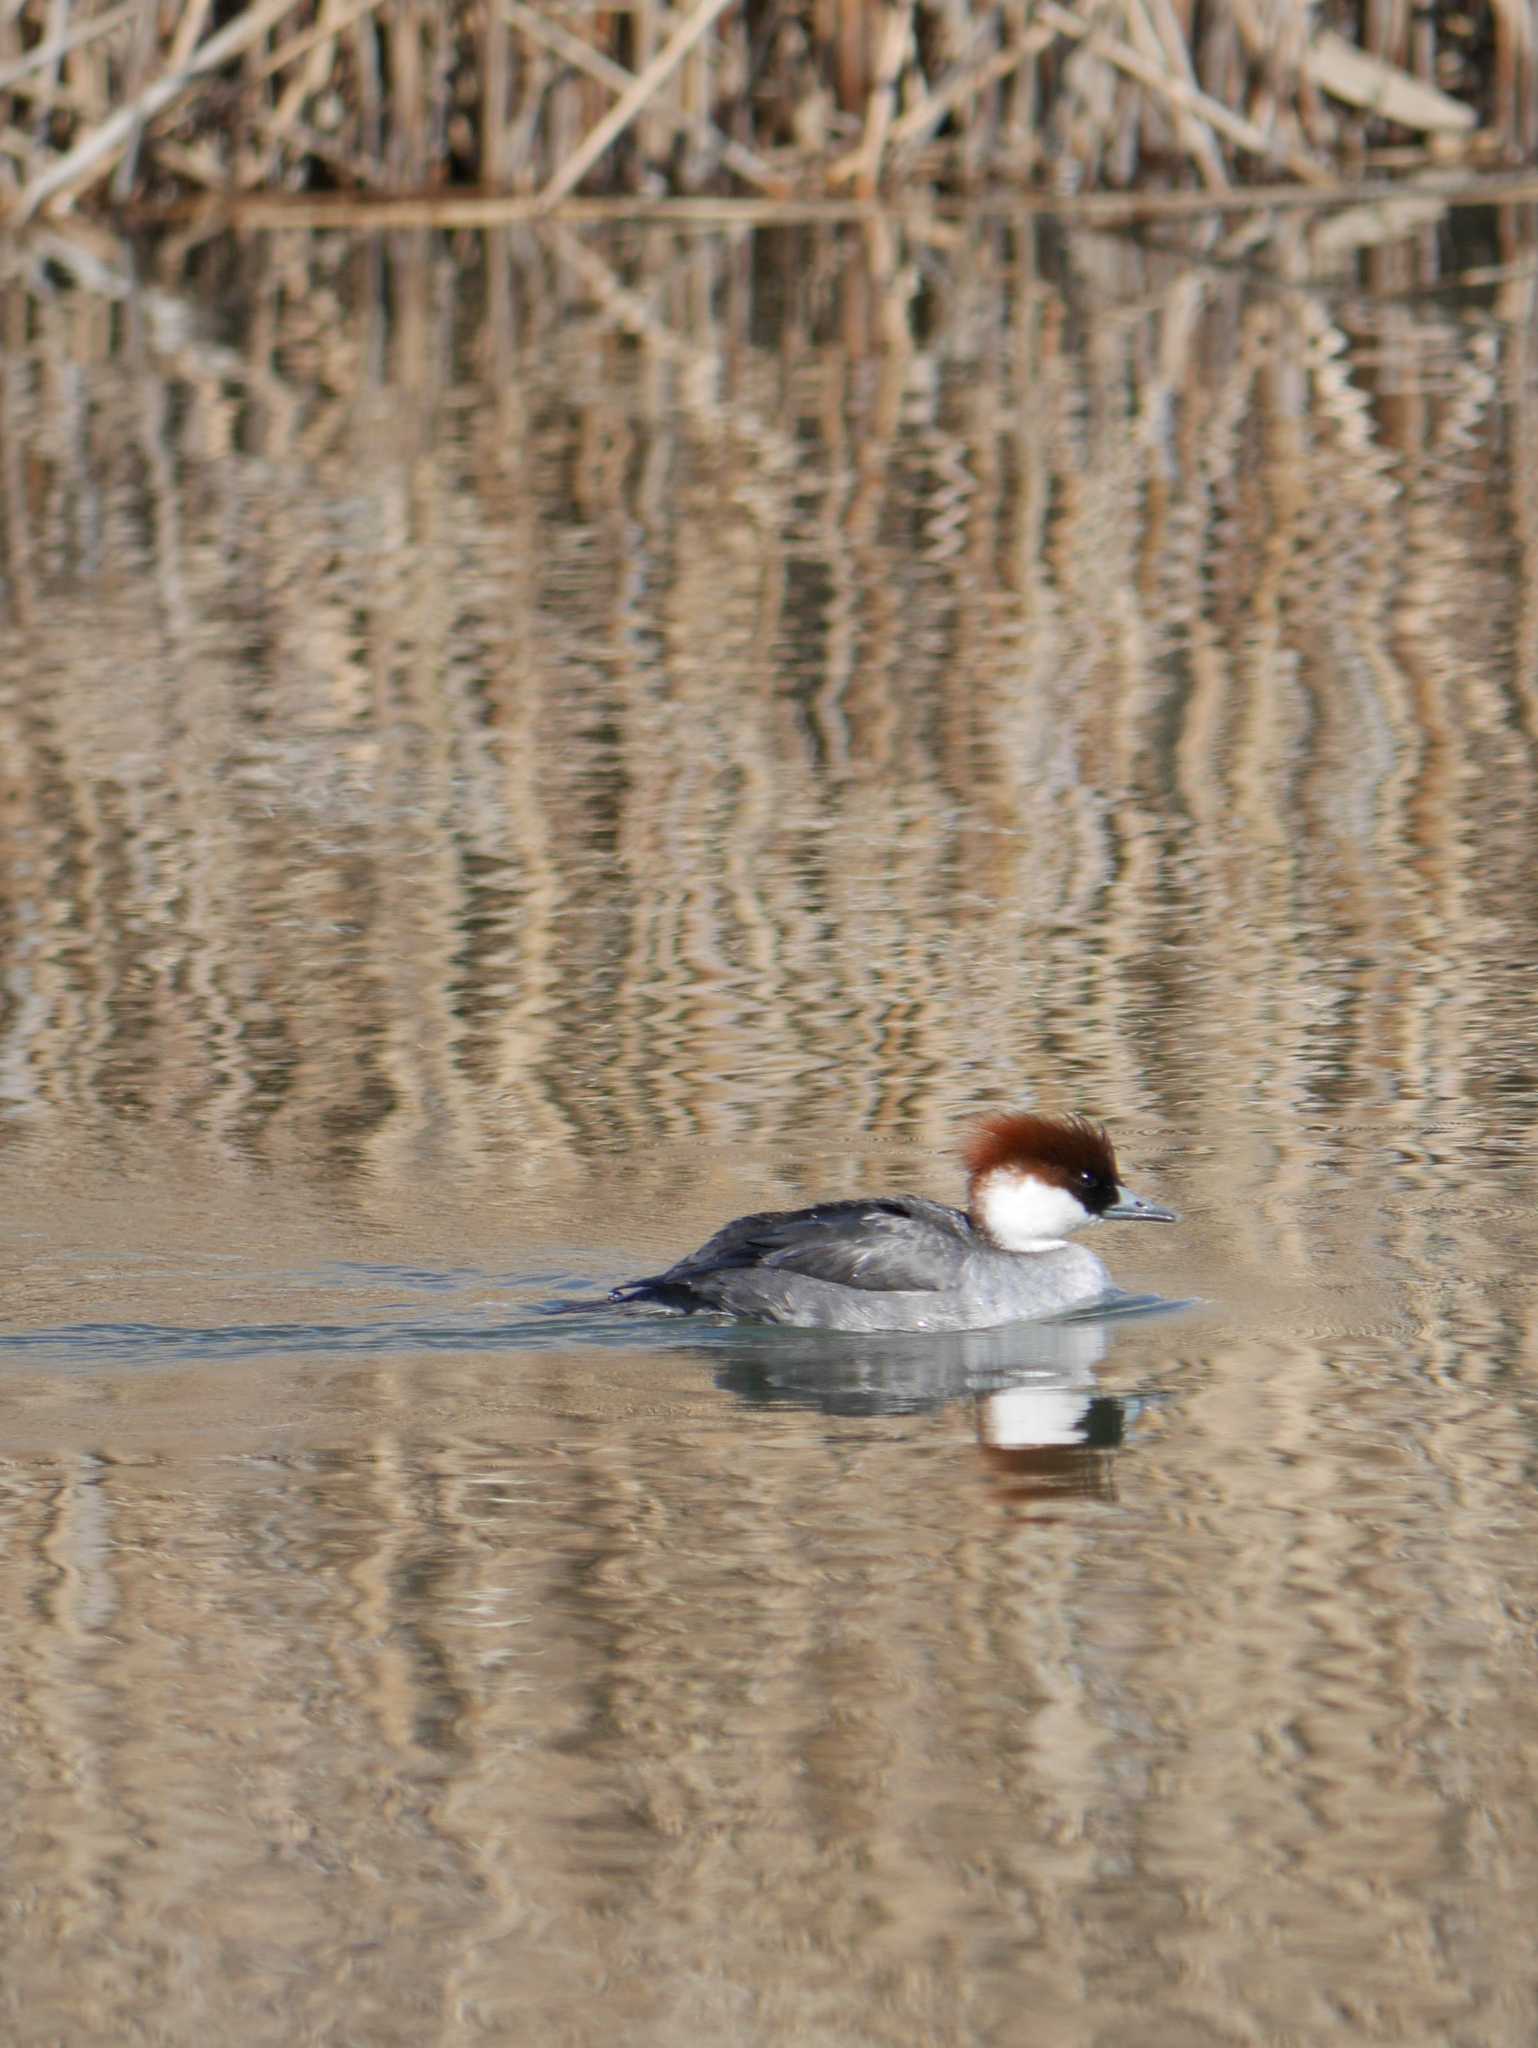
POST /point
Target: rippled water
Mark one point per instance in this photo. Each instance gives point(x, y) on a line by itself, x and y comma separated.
point(513, 752)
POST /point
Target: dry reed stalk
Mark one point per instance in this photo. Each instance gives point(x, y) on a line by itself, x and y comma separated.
point(894, 40)
point(52, 52)
point(188, 30)
point(977, 131)
point(1423, 46)
point(652, 133)
point(407, 160)
point(310, 75)
point(1240, 131)
point(615, 78)
point(1155, 27)
point(58, 30)
point(1382, 90)
point(630, 103)
point(496, 98)
point(1273, 33)
point(965, 82)
point(1009, 93)
point(105, 142)
point(691, 90)
point(44, 95)
point(851, 45)
point(338, 20)
point(1515, 110)
point(1219, 71)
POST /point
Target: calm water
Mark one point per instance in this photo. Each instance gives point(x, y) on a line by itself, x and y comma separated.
point(514, 751)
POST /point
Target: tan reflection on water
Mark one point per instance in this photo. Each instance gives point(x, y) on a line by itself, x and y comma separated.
point(558, 1702)
point(503, 763)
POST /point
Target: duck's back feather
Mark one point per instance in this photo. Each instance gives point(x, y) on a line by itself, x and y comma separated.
point(896, 1244)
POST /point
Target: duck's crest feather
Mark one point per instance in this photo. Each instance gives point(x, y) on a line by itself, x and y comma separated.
point(1056, 1148)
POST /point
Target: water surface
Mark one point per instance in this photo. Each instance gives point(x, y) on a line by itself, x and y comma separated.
point(514, 751)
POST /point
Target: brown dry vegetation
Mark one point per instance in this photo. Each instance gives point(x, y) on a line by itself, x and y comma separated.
point(123, 101)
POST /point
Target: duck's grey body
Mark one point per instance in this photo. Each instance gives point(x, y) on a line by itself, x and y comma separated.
point(893, 1263)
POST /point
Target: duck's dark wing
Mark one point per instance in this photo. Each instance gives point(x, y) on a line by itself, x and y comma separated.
point(897, 1244)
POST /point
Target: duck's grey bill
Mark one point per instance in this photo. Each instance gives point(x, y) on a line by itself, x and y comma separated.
point(1131, 1208)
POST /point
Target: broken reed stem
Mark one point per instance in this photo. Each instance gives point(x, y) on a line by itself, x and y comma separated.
point(630, 102)
point(1155, 27)
point(921, 121)
point(865, 164)
point(1244, 133)
point(99, 148)
point(615, 78)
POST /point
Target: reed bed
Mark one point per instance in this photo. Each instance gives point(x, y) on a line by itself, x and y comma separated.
point(124, 103)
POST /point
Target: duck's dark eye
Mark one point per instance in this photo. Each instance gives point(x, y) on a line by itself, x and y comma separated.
point(1095, 1191)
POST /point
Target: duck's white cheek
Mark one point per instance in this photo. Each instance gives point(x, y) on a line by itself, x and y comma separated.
point(1024, 1214)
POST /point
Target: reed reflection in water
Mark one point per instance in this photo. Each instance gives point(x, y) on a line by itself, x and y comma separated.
point(512, 751)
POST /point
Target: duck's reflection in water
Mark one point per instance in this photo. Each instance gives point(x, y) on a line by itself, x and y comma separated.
point(1047, 1434)
point(1053, 1442)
